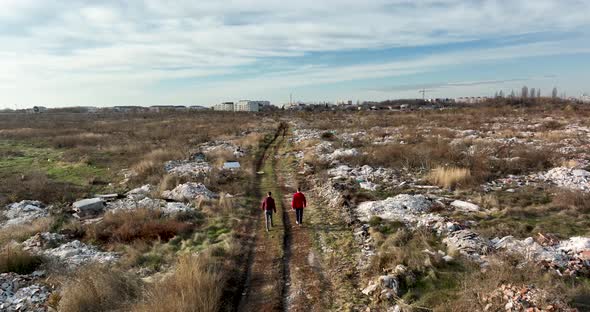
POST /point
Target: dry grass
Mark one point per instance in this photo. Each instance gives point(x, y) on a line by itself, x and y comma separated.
point(22, 232)
point(18, 261)
point(449, 177)
point(139, 224)
point(573, 200)
point(196, 285)
point(151, 166)
point(97, 288)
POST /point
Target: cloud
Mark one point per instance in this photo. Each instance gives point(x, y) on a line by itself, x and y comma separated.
point(130, 48)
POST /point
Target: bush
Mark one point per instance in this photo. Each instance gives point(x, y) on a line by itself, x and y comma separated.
point(449, 177)
point(196, 285)
point(18, 261)
point(99, 288)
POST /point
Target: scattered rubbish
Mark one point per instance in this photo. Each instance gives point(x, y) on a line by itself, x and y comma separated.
point(217, 146)
point(75, 253)
point(468, 243)
point(21, 293)
point(465, 206)
point(576, 179)
point(187, 168)
point(41, 241)
point(23, 212)
point(141, 192)
point(514, 298)
point(402, 207)
point(231, 165)
point(189, 191)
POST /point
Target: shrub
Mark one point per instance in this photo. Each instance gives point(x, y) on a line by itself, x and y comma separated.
point(449, 177)
point(18, 261)
point(196, 285)
point(99, 288)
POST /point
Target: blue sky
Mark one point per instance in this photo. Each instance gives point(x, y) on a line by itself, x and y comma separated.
point(68, 53)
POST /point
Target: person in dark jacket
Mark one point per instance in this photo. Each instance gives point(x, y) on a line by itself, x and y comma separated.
point(268, 205)
point(297, 204)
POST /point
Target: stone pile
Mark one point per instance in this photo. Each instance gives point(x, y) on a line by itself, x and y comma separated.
point(300, 135)
point(390, 286)
point(24, 212)
point(216, 146)
point(88, 208)
point(76, 253)
point(141, 192)
point(468, 243)
point(187, 168)
point(410, 209)
point(575, 179)
point(21, 293)
point(41, 241)
point(189, 191)
point(338, 154)
point(527, 298)
point(368, 177)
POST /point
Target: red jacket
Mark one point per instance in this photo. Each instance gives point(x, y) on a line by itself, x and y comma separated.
point(298, 201)
point(268, 204)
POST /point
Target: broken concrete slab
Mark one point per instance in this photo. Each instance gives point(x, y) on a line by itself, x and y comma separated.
point(187, 168)
point(399, 207)
point(89, 207)
point(76, 253)
point(24, 212)
point(465, 206)
point(44, 240)
point(189, 191)
point(22, 293)
point(468, 243)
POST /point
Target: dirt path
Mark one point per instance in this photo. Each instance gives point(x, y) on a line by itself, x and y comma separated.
point(284, 273)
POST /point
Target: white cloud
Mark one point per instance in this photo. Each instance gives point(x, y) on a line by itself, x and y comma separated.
point(68, 51)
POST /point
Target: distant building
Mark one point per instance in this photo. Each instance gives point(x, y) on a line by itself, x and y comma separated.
point(129, 109)
point(585, 98)
point(39, 109)
point(251, 106)
point(198, 108)
point(224, 107)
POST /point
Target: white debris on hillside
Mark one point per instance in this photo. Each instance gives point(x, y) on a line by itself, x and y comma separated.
point(339, 153)
point(23, 212)
point(465, 206)
point(21, 293)
point(189, 191)
point(187, 168)
point(127, 204)
point(44, 240)
point(468, 243)
point(140, 192)
point(76, 253)
point(576, 179)
point(221, 146)
point(89, 207)
point(368, 177)
point(300, 135)
point(410, 209)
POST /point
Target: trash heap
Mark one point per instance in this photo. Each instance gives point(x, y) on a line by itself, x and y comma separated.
point(138, 198)
point(24, 212)
point(469, 244)
point(217, 146)
point(338, 154)
point(575, 179)
point(41, 241)
point(300, 135)
point(410, 209)
point(76, 253)
point(389, 287)
point(369, 178)
point(527, 298)
point(21, 293)
point(187, 168)
point(189, 191)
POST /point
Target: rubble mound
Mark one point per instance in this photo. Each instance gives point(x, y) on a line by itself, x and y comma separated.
point(575, 179)
point(214, 147)
point(131, 203)
point(76, 253)
point(140, 192)
point(300, 135)
point(509, 297)
point(189, 191)
point(367, 176)
point(187, 168)
point(20, 293)
point(402, 207)
point(42, 241)
point(468, 243)
point(23, 212)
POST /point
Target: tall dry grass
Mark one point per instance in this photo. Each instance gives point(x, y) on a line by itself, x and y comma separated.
point(97, 288)
point(18, 261)
point(195, 285)
point(22, 232)
point(449, 177)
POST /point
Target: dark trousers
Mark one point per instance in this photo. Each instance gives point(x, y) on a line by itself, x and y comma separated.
point(268, 215)
point(299, 215)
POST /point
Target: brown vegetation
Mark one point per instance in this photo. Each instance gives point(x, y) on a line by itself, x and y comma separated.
point(18, 261)
point(449, 177)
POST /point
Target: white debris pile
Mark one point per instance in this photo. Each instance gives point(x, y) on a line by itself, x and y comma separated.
point(21, 293)
point(24, 212)
point(130, 203)
point(76, 253)
point(368, 177)
point(389, 287)
point(300, 135)
point(88, 208)
point(222, 146)
point(339, 153)
point(189, 191)
point(141, 192)
point(575, 179)
point(568, 257)
point(187, 168)
point(44, 240)
point(351, 137)
point(468, 243)
point(410, 209)
point(465, 206)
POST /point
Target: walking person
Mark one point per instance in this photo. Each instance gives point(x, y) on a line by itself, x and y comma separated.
point(268, 205)
point(297, 204)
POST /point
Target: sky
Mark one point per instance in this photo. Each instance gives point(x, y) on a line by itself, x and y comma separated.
point(105, 53)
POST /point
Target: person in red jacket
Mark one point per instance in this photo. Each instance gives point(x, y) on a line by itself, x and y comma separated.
point(268, 205)
point(297, 204)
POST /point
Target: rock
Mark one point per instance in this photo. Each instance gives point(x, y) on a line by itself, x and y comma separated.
point(370, 186)
point(576, 179)
point(21, 293)
point(189, 191)
point(448, 258)
point(24, 212)
point(369, 290)
point(131, 203)
point(467, 243)
point(402, 207)
point(140, 192)
point(90, 207)
point(465, 206)
point(42, 241)
point(187, 168)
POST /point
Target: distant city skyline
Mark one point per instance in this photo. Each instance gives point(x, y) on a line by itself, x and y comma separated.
point(79, 53)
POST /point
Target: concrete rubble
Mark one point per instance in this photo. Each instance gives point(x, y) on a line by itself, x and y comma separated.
point(339, 153)
point(300, 135)
point(140, 192)
point(464, 206)
point(410, 209)
point(575, 179)
point(188, 168)
point(468, 243)
point(369, 178)
point(76, 253)
point(41, 241)
point(513, 298)
point(390, 286)
point(87, 208)
point(22, 293)
point(217, 146)
point(189, 191)
point(23, 212)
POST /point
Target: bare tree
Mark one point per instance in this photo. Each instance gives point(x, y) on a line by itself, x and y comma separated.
point(525, 92)
point(554, 93)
